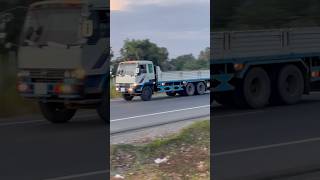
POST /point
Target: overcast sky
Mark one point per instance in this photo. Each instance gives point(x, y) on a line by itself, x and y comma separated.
point(182, 26)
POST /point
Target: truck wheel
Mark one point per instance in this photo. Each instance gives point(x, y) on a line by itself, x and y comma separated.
point(201, 88)
point(256, 88)
point(127, 97)
point(182, 93)
point(172, 94)
point(290, 84)
point(146, 94)
point(56, 112)
point(190, 89)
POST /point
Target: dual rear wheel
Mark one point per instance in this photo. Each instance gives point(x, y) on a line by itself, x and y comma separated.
point(255, 90)
point(191, 89)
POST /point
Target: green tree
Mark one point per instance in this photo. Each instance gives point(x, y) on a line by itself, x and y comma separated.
point(204, 59)
point(145, 50)
point(180, 61)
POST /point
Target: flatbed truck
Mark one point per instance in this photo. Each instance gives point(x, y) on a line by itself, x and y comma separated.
point(142, 78)
point(264, 67)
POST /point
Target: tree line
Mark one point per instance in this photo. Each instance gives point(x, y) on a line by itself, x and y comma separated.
point(146, 50)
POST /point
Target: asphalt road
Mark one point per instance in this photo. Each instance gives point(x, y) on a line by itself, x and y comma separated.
point(280, 142)
point(127, 116)
point(31, 148)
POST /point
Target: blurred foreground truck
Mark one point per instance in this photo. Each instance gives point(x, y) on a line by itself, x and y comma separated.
point(63, 57)
point(256, 68)
point(143, 78)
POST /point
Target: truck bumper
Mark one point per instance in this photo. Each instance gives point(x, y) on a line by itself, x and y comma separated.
point(50, 90)
point(136, 91)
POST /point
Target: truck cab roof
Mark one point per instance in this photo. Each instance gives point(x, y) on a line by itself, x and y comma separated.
point(138, 61)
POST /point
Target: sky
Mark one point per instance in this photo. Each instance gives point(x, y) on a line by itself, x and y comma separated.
point(182, 26)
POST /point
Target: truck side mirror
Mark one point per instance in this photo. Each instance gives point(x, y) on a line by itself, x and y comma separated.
point(87, 28)
point(137, 70)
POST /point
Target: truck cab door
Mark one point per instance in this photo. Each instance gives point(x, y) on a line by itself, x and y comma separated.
point(142, 76)
point(151, 73)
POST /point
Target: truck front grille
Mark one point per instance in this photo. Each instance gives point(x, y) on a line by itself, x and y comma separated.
point(46, 75)
point(124, 85)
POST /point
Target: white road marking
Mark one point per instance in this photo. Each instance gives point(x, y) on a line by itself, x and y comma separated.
point(80, 175)
point(266, 147)
point(154, 114)
point(146, 115)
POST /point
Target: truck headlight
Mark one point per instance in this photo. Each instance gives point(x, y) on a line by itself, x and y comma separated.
point(134, 85)
point(78, 74)
point(23, 74)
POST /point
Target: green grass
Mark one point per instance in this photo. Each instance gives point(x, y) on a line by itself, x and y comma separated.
point(12, 104)
point(113, 92)
point(185, 150)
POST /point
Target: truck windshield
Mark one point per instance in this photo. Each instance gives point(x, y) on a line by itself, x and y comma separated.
point(127, 69)
point(53, 24)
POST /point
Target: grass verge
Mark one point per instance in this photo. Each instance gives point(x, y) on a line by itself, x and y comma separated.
point(113, 92)
point(12, 104)
point(187, 153)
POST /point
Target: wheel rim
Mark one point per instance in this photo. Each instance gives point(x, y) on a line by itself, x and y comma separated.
point(255, 87)
point(291, 84)
point(190, 89)
point(201, 88)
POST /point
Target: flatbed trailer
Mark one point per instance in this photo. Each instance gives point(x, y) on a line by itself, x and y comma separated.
point(261, 67)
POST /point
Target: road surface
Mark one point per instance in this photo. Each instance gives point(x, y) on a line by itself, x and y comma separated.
point(280, 142)
point(34, 149)
point(127, 116)
point(277, 142)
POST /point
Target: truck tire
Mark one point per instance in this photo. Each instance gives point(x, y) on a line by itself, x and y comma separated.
point(146, 94)
point(256, 89)
point(201, 88)
point(290, 84)
point(171, 94)
point(127, 97)
point(190, 89)
point(182, 93)
point(56, 112)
